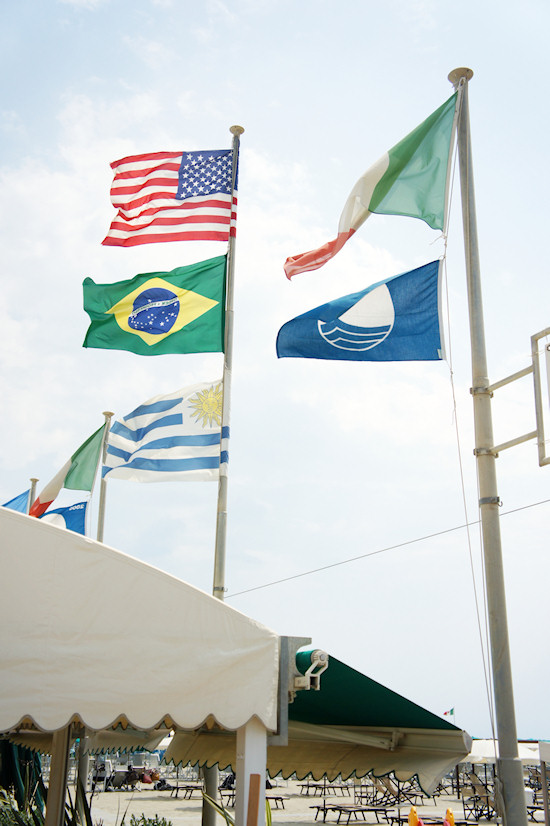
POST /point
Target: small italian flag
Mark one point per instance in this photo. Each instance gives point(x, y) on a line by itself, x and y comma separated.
point(410, 179)
point(449, 713)
point(78, 473)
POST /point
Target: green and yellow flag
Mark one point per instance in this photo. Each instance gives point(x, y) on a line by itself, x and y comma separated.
point(155, 313)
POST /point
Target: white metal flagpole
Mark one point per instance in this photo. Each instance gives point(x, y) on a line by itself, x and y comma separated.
point(218, 588)
point(510, 770)
point(103, 482)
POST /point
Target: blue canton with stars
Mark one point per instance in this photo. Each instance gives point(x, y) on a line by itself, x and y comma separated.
point(204, 173)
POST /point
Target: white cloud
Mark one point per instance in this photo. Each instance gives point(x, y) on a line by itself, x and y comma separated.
point(90, 5)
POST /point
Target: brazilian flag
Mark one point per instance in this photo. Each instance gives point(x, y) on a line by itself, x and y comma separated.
point(155, 313)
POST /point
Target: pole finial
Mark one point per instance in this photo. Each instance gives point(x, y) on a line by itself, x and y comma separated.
point(236, 130)
point(457, 74)
point(108, 414)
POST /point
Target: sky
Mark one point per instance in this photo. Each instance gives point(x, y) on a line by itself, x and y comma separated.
point(350, 483)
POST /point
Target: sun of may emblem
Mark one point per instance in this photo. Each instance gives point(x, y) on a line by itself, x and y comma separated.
point(208, 405)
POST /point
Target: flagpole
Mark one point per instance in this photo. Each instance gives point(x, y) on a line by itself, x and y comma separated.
point(103, 482)
point(218, 587)
point(32, 492)
point(510, 769)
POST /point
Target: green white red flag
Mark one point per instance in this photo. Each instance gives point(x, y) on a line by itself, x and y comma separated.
point(410, 179)
point(78, 473)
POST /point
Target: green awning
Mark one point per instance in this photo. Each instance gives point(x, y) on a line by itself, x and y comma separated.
point(349, 698)
point(352, 725)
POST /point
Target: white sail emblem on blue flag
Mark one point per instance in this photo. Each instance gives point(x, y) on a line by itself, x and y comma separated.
point(394, 320)
point(170, 438)
point(73, 517)
point(366, 324)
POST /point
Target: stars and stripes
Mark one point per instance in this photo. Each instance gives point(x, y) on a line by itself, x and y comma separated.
point(173, 196)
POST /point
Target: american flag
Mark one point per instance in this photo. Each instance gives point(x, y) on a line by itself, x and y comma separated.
point(173, 196)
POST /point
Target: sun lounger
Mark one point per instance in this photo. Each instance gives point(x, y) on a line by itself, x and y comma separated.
point(188, 790)
point(277, 799)
point(344, 812)
point(480, 802)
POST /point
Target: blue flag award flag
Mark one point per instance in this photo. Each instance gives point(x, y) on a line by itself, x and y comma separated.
point(170, 438)
point(73, 517)
point(394, 320)
point(19, 503)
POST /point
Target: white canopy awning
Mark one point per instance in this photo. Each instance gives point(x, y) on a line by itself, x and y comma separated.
point(73, 648)
point(486, 751)
point(334, 751)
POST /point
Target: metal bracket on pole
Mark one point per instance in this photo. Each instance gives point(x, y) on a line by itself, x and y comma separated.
point(288, 646)
point(491, 500)
point(485, 451)
point(481, 390)
point(534, 369)
point(543, 458)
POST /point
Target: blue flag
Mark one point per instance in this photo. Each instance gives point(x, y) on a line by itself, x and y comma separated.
point(19, 503)
point(73, 517)
point(394, 320)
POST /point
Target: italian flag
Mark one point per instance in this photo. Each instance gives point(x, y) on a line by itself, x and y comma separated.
point(78, 473)
point(410, 179)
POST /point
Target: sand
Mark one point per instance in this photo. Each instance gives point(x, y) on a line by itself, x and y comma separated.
point(108, 808)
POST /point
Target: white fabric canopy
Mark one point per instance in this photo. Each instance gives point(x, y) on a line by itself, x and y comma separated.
point(427, 753)
point(484, 751)
point(73, 647)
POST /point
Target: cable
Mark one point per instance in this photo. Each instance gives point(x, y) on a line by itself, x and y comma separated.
point(379, 551)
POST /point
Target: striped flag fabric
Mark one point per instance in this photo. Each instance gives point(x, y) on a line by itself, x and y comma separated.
point(173, 196)
point(78, 473)
point(410, 179)
point(177, 437)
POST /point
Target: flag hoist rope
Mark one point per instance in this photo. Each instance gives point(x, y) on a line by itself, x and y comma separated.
point(510, 770)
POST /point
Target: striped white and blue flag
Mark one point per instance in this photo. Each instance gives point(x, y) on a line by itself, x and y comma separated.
point(177, 437)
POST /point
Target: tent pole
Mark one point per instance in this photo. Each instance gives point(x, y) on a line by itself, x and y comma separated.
point(509, 765)
point(250, 774)
point(59, 770)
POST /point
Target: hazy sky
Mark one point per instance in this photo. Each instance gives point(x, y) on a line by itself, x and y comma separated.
point(329, 461)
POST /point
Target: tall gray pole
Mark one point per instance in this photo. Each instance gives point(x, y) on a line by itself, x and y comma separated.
point(218, 586)
point(510, 770)
point(32, 493)
point(103, 482)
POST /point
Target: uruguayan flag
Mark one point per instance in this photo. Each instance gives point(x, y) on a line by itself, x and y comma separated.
point(170, 438)
point(393, 320)
point(73, 518)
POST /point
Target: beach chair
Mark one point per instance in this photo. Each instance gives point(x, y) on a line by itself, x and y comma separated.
point(402, 792)
point(480, 802)
point(382, 796)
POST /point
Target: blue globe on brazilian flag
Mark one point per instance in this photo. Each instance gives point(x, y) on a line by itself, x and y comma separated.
point(155, 313)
